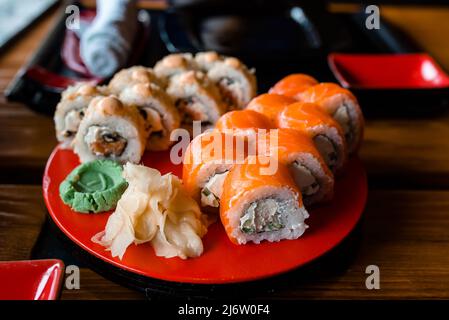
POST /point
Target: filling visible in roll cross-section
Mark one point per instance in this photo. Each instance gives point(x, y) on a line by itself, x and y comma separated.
point(72, 121)
point(212, 190)
point(327, 149)
point(104, 142)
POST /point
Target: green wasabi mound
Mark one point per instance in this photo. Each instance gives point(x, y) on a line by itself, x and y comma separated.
point(93, 187)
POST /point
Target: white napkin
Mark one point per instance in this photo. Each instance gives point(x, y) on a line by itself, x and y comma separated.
point(106, 44)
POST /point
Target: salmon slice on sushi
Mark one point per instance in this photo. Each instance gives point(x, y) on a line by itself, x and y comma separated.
point(293, 85)
point(256, 206)
point(342, 105)
point(207, 161)
point(325, 132)
point(270, 105)
point(243, 122)
point(297, 151)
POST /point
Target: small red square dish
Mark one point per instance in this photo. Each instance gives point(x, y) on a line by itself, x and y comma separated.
point(388, 71)
point(411, 84)
point(31, 279)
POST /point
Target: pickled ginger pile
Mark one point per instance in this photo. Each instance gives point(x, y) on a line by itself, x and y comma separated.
point(154, 208)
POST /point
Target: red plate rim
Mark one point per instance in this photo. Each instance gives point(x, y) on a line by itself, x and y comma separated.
point(217, 231)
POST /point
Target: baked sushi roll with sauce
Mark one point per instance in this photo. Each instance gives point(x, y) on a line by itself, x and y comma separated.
point(325, 132)
point(309, 171)
point(341, 104)
point(110, 130)
point(196, 98)
point(256, 207)
point(207, 59)
point(157, 110)
point(207, 160)
point(134, 75)
point(237, 84)
point(174, 64)
point(293, 85)
point(71, 110)
point(243, 122)
point(270, 105)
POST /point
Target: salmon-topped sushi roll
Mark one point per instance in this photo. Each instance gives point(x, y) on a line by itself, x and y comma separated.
point(71, 110)
point(298, 152)
point(131, 76)
point(270, 105)
point(293, 85)
point(157, 110)
point(196, 98)
point(341, 104)
point(325, 132)
point(243, 122)
point(258, 206)
point(206, 163)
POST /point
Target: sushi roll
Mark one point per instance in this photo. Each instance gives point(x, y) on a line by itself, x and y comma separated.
point(236, 82)
point(71, 110)
point(256, 207)
point(270, 105)
point(110, 130)
point(243, 122)
point(309, 171)
point(158, 111)
point(341, 104)
point(207, 160)
point(196, 98)
point(293, 85)
point(206, 60)
point(325, 132)
point(174, 64)
point(134, 75)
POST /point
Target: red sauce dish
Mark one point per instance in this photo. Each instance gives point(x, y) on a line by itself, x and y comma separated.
point(388, 71)
point(401, 84)
point(31, 279)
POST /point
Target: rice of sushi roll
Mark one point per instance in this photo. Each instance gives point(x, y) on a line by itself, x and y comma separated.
point(237, 84)
point(196, 98)
point(134, 75)
point(207, 161)
point(158, 111)
point(341, 104)
point(110, 130)
point(256, 207)
point(322, 128)
point(71, 110)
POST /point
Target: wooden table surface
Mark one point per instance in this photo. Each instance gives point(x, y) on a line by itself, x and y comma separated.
point(405, 229)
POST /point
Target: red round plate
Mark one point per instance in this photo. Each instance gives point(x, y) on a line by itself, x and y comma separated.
point(222, 261)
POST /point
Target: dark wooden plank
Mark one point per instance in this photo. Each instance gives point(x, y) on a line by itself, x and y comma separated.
point(22, 213)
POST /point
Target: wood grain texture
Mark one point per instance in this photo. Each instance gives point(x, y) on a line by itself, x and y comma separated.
point(22, 212)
